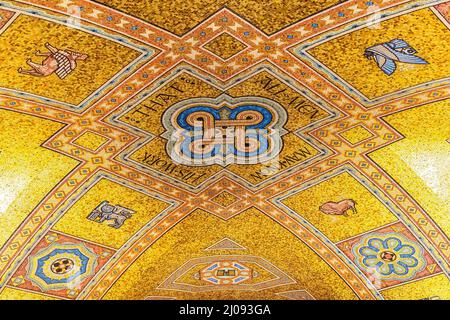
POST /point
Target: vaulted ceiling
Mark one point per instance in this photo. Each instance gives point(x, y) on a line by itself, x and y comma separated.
point(224, 149)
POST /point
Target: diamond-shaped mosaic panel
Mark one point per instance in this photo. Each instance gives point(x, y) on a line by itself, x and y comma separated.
point(90, 140)
point(225, 199)
point(356, 134)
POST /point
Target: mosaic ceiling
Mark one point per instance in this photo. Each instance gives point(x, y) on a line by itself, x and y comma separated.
point(224, 149)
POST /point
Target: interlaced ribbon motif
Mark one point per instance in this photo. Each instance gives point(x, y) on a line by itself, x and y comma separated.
point(205, 133)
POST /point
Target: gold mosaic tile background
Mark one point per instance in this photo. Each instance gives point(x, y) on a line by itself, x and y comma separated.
point(225, 46)
point(425, 33)
point(28, 34)
point(329, 174)
point(179, 17)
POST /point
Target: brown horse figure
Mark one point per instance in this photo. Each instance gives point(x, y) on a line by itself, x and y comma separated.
point(61, 62)
point(338, 208)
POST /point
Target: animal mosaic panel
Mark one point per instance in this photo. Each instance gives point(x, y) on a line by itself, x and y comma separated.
point(224, 150)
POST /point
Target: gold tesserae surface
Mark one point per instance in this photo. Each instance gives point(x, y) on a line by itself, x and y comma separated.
point(224, 150)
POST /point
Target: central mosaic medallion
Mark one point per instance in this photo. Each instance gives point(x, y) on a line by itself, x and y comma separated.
point(193, 129)
point(223, 131)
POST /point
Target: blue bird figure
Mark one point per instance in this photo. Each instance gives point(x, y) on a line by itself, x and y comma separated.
point(397, 50)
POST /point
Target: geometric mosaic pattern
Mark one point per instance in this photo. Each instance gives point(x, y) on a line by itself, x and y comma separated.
point(60, 266)
point(239, 150)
